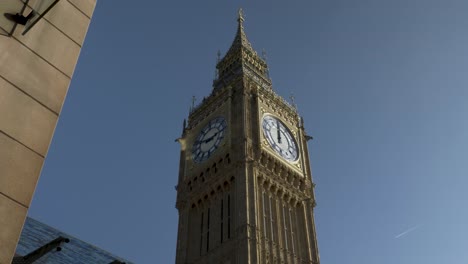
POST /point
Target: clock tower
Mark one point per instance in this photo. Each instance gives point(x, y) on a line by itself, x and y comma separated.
point(245, 191)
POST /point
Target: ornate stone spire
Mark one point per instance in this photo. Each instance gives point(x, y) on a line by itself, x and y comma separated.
point(240, 41)
point(241, 57)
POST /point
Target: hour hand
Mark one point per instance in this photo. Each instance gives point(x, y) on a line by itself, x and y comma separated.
point(210, 138)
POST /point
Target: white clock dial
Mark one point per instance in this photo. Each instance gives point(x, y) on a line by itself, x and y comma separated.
point(280, 138)
point(209, 139)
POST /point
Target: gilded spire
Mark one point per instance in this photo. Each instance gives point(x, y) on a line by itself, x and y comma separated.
point(240, 56)
point(240, 41)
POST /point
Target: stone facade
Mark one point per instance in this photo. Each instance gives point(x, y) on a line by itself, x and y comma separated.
point(35, 72)
point(244, 203)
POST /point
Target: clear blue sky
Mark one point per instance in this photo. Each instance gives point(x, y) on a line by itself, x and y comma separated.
point(382, 86)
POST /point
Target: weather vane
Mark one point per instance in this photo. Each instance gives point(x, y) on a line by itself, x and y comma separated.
point(240, 17)
point(218, 59)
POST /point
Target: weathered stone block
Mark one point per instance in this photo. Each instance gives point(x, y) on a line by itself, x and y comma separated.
point(25, 119)
point(19, 170)
point(12, 215)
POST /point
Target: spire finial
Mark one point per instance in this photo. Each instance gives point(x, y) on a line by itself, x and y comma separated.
point(291, 97)
point(193, 104)
point(240, 17)
point(264, 57)
point(218, 59)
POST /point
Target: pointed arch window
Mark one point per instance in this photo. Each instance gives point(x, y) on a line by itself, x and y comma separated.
point(201, 234)
point(222, 219)
point(229, 216)
point(292, 218)
point(285, 227)
point(265, 215)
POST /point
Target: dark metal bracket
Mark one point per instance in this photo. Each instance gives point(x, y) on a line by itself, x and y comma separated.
point(18, 18)
point(31, 19)
point(40, 252)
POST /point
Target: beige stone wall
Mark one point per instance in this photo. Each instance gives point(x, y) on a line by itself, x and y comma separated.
point(35, 73)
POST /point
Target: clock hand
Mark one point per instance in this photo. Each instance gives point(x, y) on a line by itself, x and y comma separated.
point(278, 134)
point(207, 140)
point(210, 138)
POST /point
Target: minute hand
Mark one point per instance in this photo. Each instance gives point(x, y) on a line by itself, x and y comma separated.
point(210, 138)
point(278, 133)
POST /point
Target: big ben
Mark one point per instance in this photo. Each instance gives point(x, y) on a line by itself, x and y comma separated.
point(245, 192)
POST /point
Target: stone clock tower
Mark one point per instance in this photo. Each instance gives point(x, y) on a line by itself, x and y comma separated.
point(245, 191)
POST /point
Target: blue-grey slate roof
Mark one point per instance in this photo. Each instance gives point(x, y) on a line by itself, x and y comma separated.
point(36, 234)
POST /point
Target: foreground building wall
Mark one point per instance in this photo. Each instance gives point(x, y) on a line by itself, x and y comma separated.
point(35, 73)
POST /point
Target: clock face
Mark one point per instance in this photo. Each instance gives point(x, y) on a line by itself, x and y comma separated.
point(280, 138)
point(209, 139)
